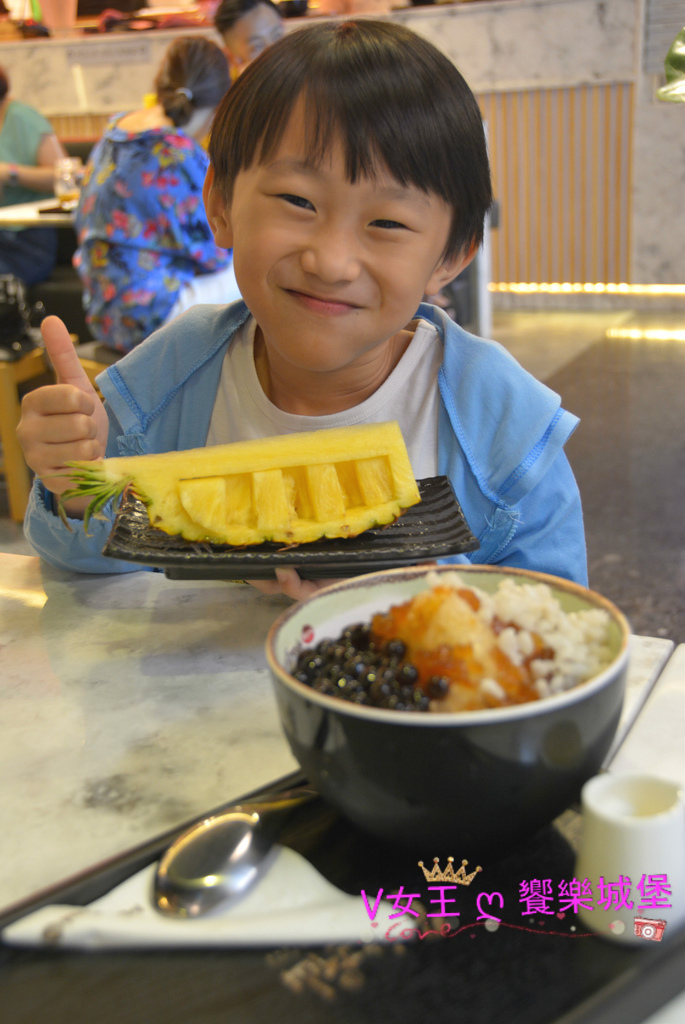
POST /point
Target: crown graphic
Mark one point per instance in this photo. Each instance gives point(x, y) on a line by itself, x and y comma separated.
point(449, 874)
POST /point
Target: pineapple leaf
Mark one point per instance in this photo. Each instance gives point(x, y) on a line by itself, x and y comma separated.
point(62, 514)
point(98, 503)
point(90, 483)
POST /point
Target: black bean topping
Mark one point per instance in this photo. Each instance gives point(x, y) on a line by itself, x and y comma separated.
point(437, 687)
point(396, 649)
point(354, 667)
point(408, 674)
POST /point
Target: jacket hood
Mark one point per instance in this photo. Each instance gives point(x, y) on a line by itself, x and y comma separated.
point(507, 466)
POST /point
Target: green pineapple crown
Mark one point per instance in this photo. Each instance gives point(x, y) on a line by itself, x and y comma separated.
point(90, 481)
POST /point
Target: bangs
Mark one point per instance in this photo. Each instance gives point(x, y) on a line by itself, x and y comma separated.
point(329, 118)
point(392, 99)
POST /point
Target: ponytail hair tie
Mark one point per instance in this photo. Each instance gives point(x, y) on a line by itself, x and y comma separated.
point(188, 93)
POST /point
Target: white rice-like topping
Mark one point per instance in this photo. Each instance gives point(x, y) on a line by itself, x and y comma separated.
point(542, 688)
point(579, 639)
point(491, 688)
point(508, 643)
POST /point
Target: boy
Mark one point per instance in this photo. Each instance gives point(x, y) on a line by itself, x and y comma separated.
point(349, 174)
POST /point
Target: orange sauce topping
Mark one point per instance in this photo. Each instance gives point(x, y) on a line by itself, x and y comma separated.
point(463, 663)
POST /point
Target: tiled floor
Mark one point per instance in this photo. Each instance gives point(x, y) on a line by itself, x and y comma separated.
point(629, 459)
point(545, 342)
point(628, 453)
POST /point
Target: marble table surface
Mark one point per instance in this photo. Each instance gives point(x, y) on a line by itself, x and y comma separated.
point(655, 745)
point(130, 704)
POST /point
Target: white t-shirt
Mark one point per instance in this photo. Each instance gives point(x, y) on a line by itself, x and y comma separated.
point(409, 395)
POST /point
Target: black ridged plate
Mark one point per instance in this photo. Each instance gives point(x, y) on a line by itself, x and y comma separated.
point(435, 528)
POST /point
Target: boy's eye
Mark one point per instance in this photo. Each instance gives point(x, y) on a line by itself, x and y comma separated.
point(296, 200)
point(391, 224)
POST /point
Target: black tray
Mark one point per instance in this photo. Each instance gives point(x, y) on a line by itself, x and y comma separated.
point(435, 528)
point(512, 976)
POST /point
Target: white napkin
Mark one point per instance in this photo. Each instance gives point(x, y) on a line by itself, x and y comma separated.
point(290, 904)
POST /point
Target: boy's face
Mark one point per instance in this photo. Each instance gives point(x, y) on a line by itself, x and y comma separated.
point(330, 270)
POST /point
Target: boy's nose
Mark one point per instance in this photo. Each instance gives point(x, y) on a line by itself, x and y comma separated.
point(331, 256)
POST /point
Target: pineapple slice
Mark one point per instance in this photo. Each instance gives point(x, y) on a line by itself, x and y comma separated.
point(271, 504)
point(375, 480)
point(205, 502)
point(325, 492)
point(238, 490)
point(291, 489)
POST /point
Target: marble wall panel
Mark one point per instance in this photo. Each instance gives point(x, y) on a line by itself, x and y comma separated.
point(504, 44)
point(98, 74)
point(518, 44)
point(658, 201)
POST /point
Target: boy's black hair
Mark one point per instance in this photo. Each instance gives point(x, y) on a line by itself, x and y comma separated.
point(230, 11)
point(392, 97)
point(4, 84)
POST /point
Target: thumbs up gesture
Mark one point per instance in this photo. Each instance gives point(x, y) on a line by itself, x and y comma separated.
point(63, 422)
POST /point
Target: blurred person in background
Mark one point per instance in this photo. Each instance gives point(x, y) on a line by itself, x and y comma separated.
point(247, 27)
point(145, 250)
point(29, 150)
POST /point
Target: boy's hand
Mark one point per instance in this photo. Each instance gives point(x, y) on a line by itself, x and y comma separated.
point(289, 583)
point(63, 422)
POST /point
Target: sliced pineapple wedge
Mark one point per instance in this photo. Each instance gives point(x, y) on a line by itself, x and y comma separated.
point(291, 489)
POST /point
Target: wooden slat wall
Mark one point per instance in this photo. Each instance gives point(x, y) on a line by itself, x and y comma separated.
point(561, 165)
point(79, 126)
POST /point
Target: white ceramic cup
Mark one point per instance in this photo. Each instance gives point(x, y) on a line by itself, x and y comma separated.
point(633, 829)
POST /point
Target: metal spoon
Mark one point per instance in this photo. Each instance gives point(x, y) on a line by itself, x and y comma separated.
point(222, 856)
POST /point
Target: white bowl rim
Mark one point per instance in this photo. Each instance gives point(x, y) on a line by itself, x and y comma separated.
point(485, 716)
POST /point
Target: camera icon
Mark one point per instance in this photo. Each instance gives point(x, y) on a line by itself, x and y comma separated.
point(648, 928)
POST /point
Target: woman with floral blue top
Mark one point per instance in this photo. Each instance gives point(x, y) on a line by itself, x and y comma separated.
point(145, 251)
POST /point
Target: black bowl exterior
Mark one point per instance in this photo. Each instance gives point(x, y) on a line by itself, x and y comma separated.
point(481, 781)
point(477, 789)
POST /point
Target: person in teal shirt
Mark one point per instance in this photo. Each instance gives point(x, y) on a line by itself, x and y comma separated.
point(29, 150)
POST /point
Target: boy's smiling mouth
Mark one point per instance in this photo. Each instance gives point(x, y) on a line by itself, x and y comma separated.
point(322, 304)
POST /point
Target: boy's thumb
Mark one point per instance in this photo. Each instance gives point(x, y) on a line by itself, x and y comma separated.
point(62, 353)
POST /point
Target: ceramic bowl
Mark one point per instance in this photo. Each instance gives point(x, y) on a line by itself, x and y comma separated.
point(484, 780)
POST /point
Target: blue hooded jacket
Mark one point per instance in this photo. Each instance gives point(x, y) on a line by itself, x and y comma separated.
point(500, 441)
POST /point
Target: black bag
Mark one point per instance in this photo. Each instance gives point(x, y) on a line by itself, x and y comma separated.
point(16, 336)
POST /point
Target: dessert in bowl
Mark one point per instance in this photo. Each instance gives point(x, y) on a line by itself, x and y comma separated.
point(485, 777)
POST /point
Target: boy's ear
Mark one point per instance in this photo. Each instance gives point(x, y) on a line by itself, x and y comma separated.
point(218, 211)
point(449, 268)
